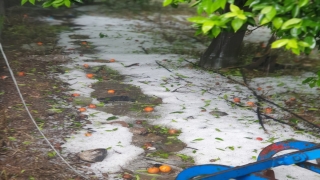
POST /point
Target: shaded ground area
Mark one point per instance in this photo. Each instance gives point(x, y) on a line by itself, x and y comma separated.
point(25, 155)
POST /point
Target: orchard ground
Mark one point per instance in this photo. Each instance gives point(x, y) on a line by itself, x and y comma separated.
point(155, 56)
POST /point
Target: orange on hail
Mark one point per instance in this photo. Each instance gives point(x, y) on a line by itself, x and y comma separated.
point(85, 65)
point(92, 106)
point(82, 109)
point(112, 60)
point(84, 43)
point(236, 100)
point(165, 168)
point(148, 109)
point(268, 110)
point(90, 76)
point(21, 73)
point(111, 91)
point(127, 176)
point(259, 88)
point(87, 134)
point(75, 94)
point(172, 131)
point(153, 170)
point(250, 103)
point(39, 43)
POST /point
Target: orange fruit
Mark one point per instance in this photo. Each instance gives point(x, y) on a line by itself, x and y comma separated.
point(153, 170)
point(86, 66)
point(90, 76)
point(250, 103)
point(75, 94)
point(112, 60)
point(148, 109)
point(111, 91)
point(82, 109)
point(259, 88)
point(172, 131)
point(268, 110)
point(87, 134)
point(92, 106)
point(126, 176)
point(21, 73)
point(39, 43)
point(259, 139)
point(292, 99)
point(236, 100)
point(147, 145)
point(165, 168)
point(84, 43)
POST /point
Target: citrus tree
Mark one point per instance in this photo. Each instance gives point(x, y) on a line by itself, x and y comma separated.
point(294, 25)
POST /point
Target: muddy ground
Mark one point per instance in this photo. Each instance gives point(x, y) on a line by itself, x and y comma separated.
point(24, 153)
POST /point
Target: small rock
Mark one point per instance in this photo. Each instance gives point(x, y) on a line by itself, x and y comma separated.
point(138, 130)
point(93, 155)
point(218, 113)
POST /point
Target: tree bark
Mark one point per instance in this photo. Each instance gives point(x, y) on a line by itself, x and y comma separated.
point(223, 50)
point(2, 16)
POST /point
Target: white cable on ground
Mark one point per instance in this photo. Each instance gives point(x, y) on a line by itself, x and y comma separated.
point(34, 122)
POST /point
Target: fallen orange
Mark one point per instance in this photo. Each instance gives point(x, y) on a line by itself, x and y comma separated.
point(111, 91)
point(236, 100)
point(92, 106)
point(21, 73)
point(172, 131)
point(90, 76)
point(250, 104)
point(112, 60)
point(165, 168)
point(75, 94)
point(153, 170)
point(148, 109)
point(39, 43)
point(268, 110)
point(82, 109)
point(85, 65)
point(87, 134)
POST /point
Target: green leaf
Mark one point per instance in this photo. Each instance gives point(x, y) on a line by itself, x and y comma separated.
point(112, 118)
point(303, 3)
point(207, 26)
point(215, 31)
point(222, 3)
point(295, 11)
point(311, 41)
point(271, 14)
point(219, 139)
point(198, 19)
point(67, 3)
point(177, 112)
point(290, 23)
point(167, 2)
point(32, 1)
point(236, 24)
point(313, 109)
point(279, 43)
point(277, 22)
point(234, 8)
point(198, 139)
point(112, 130)
point(296, 51)
point(303, 44)
point(230, 14)
point(264, 20)
point(248, 2)
point(23, 2)
point(266, 10)
point(295, 32)
point(292, 43)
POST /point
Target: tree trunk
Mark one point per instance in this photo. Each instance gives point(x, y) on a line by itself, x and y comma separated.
point(2, 17)
point(223, 50)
